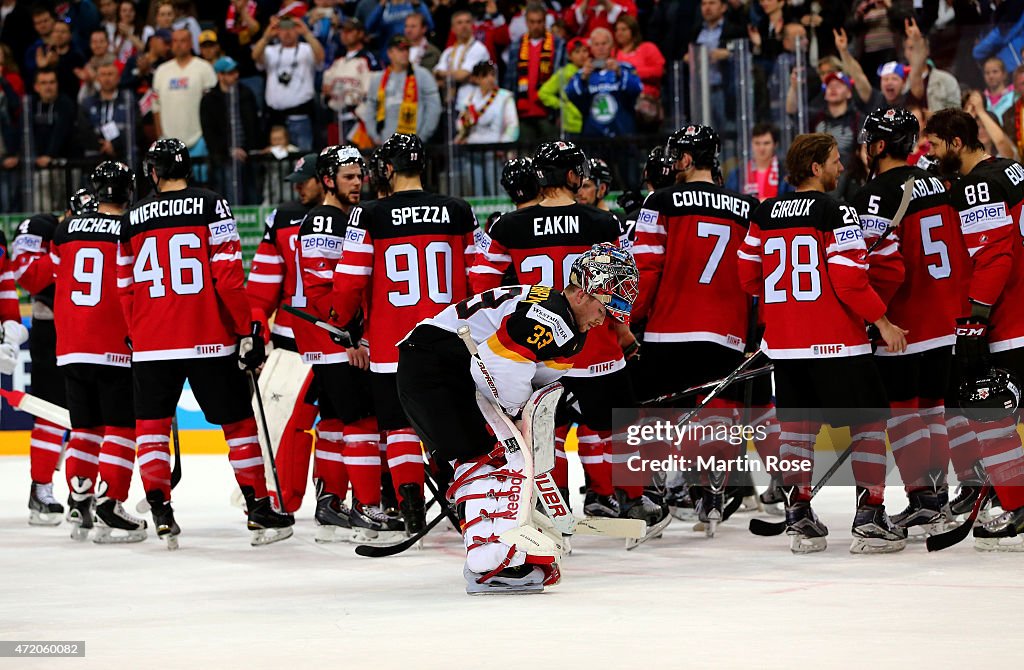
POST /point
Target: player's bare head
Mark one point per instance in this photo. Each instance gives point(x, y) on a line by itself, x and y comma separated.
point(607, 276)
point(340, 172)
point(951, 133)
point(694, 147)
point(560, 165)
point(814, 156)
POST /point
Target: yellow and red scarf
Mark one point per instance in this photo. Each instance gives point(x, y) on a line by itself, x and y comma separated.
point(471, 116)
point(408, 111)
point(547, 62)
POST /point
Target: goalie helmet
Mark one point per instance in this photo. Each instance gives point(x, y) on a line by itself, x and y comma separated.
point(113, 182)
point(610, 275)
point(897, 126)
point(992, 396)
point(701, 142)
point(83, 202)
point(337, 156)
point(518, 180)
point(169, 158)
point(659, 172)
point(600, 173)
point(404, 153)
point(554, 160)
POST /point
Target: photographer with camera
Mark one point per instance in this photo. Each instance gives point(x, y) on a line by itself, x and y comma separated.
point(290, 65)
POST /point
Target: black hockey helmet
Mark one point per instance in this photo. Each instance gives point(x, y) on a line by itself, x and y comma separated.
point(554, 160)
point(991, 396)
point(896, 125)
point(518, 180)
point(336, 156)
point(658, 170)
point(169, 158)
point(404, 153)
point(378, 173)
point(701, 142)
point(83, 202)
point(600, 173)
point(113, 182)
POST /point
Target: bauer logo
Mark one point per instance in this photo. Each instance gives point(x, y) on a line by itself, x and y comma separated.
point(559, 328)
point(827, 349)
point(223, 231)
point(982, 213)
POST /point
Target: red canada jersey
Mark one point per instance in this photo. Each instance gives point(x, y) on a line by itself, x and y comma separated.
point(407, 256)
point(320, 243)
point(86, 305)
point(274, 279)
point(805, 256)
point(9, 310)
point(180, 277)
point(540, 244)
point(920, 269)
point(687, 238)
point(30, 257)
point(990, 200)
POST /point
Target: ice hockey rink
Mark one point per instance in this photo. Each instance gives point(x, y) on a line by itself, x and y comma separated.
point(683, 601)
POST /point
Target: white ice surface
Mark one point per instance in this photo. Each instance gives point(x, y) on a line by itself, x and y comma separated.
point(683, 601)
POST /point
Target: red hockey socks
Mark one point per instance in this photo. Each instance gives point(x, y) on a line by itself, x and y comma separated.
point(245, 455)
point(405, 459)
point(117, 460)
point(596, 466)
point(796, 446)
point(868, 459)
point(964, 447)
point(1003, 459)
point(44, 450)
point(82, 457)
point(362, 458)
point(153, 455)
point(911, 443)
point(328, 462)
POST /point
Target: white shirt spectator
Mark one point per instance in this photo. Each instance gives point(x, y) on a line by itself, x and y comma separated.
point(463, 56)
point(296, 64)
point(498, 122)
point(179, 90)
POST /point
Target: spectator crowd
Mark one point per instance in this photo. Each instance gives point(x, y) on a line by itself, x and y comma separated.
point(243, 82)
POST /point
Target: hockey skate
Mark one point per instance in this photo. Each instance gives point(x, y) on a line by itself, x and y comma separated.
point(806, 531)
point(412, 507)
point(331, 517)
point(113, 524)
point(925, 514)
point(873, 532)
point(43, 508)
point(520, 580)
point(163, 519)
point(80, 508)
point(654, 515)
point(709, 509)
point(1004, 533)
point(267, 524)
point(595, 504)
point(372, 525)
point(772, 500)
point(680, 504)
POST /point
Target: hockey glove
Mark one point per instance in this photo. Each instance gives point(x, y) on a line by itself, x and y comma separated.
point(251, 350)
point(972, 342)
point(631, 350)
point(630, 201)
point(352, 332)
point(12, 336)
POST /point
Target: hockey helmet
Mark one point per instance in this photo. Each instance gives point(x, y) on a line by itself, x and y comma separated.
point(169, 158)
point(378, 173)
point(658, 170)
point(404, 153)
point(600, 173)
point(83, 202)
point(337, 156)
point(554, 160)
point(518, 180)
point(896, 125)
point(701, 142)
point(610, 275)
point(991, 396)
point(113, 182)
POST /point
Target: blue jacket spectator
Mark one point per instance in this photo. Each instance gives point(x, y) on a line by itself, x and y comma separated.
point(388, 20)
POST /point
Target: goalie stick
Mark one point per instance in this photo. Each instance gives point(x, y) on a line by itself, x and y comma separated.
point(950, 537)
point(694, 390)
point(378, 551)
point(266, 435)
point(37, 407)
point(901, 211)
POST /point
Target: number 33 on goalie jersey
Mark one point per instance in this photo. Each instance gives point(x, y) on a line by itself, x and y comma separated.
point(86, 307)
point(180, 276)
point(412, 251)
point(526, 336)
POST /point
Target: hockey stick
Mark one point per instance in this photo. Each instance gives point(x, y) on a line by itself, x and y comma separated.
point(525, 536)
point(319, 323)
point(567, 523)
point(378, 551)
point(908, 195)
point(726, 381)
point(768, 528)
point(37, 407)
point(958, 534)
point(694, 390)
point(266, 434)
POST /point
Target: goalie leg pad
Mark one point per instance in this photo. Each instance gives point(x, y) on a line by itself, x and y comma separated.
point(293, 456)
point(538, 426)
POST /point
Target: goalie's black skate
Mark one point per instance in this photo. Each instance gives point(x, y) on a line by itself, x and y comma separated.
point(806, 531)
point(873, 532)
point(113, 524)
point(412, 507)
point(267, 524)
point(43, 508)
point(1003, 533)
point(163, 519)
point(331, 517)
point(80, 506)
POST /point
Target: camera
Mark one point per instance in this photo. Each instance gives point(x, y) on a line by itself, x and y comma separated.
point(600, 64)
point(284, 78)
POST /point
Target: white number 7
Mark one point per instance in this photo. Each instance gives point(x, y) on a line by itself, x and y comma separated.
point(721, 233)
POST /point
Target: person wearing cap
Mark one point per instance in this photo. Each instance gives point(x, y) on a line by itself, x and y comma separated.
point(347, 80)
point(927, 86)
point(552, 93)
point(290, 65)
point(227, 141)
point(892, 78)
point(209, 47)
point(838, 116)
point(388, 20)
point(402, 98)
